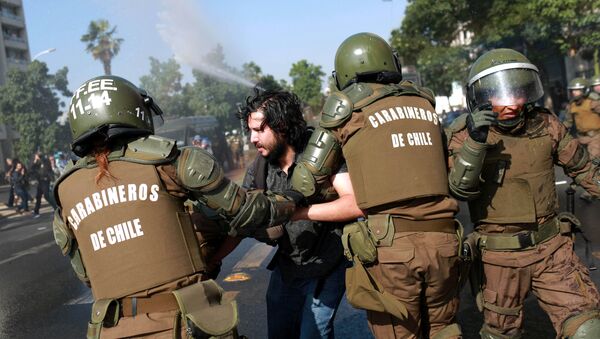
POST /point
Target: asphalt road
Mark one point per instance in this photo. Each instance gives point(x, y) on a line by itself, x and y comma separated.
point(40, 297)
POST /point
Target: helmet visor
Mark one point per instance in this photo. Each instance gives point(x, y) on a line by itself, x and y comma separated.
point(508, 87)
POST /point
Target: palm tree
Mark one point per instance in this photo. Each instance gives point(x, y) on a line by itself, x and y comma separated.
point(102, 43)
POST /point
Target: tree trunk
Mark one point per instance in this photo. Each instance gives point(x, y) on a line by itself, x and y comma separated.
point(106, 58)
point(107, 70)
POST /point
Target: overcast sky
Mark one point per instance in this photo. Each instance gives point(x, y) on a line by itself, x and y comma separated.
point(274, 34)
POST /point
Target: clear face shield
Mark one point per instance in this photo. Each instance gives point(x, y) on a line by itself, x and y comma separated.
point(505, 85)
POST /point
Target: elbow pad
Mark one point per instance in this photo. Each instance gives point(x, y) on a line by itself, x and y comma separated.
point(65, 239)
point(464, 176)
point(261, 211)
point(320, 159)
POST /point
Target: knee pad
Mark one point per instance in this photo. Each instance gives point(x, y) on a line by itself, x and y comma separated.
point(585, 325)
point(449, 332)
point(487, 332)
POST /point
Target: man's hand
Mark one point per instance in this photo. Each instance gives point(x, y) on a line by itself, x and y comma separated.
point(478, 124)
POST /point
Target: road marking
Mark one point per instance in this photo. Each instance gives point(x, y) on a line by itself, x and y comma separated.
point(32, 250)
point(254, 257)
point(85, 298)
point(560, 182)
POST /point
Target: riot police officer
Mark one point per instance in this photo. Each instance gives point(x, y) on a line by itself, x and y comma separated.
point(121, 218)
point(595, 86)
point(506, 172)
point(584, 112)
point(391, 140)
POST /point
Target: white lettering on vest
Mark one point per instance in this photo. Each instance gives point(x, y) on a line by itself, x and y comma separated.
point(397, 140)
point(372, 121)
point(143, 193)
point(115, 234)
point(399, 113)
point(110, 196)
point(154, 193)
point(132, 194)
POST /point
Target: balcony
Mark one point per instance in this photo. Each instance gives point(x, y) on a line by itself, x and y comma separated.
point(15, 3)
point(15, 42)
point(11, 19)
point(19, 63)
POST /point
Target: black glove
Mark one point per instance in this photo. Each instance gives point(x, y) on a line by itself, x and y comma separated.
point(298, 198)
point(478, 124)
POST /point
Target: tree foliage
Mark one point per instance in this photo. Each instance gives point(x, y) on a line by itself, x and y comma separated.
point(102, 43)
point(217, 91)
point(164, 85)
point(427, 43)
point(426, 37)
point(30, 103)
point(307, 80)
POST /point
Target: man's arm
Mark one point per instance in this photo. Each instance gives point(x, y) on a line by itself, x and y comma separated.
point(343, 208)
point(244, 211)
point(466, 157)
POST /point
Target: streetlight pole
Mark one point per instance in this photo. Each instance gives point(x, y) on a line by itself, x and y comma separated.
point(49, 50)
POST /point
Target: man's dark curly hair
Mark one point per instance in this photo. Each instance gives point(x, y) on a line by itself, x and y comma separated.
point(283, 114)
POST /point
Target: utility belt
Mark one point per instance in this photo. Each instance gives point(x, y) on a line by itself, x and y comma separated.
point(200, 307)
point(564, 223)
point(130, 307)
point(525, 239)
point(361, 239)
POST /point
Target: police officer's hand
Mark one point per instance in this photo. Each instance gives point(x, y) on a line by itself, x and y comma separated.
point(478, 124)
point(298, 198)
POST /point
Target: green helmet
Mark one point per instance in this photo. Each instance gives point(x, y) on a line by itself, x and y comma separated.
point(366, 55)
point(595, 81)
point(578, 84)
point(106, 107)
point(503, 77)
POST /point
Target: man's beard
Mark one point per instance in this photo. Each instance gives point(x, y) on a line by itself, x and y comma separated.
point(277, 152)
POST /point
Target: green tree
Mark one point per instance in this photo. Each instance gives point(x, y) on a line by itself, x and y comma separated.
point(252, 71)
point(573, 25)
point(216, 96)
point(268, 83)
point(101, 42)
point(307, 80)
point(164, 85)
point(439, 66)
point(427, 43)
point(30, 103)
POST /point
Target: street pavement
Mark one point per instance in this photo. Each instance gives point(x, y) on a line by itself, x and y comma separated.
point(40, 297)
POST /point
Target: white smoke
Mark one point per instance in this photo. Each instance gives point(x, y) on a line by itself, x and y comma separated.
point(191, 37)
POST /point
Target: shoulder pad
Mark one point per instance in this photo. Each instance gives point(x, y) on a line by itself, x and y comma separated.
point(150, 149)
point(198, 169)
point(409, 87)
point(70, 167)
point(594, 96)
point(337, 110)
point(358, 91)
